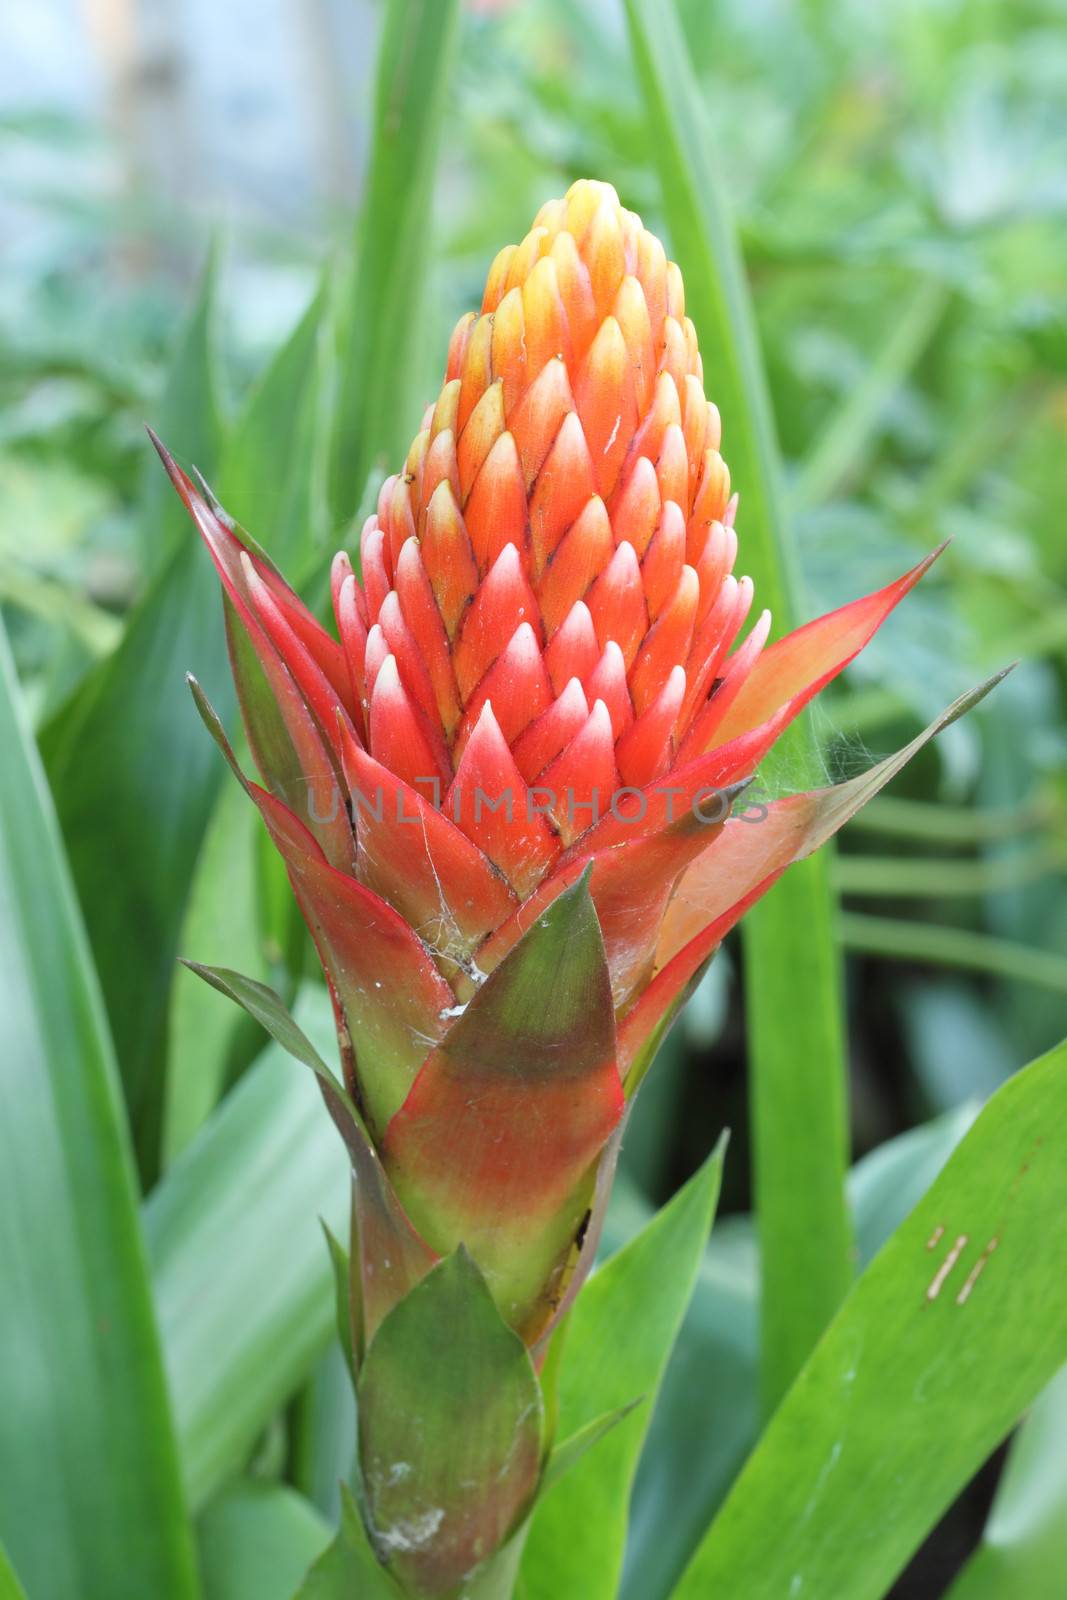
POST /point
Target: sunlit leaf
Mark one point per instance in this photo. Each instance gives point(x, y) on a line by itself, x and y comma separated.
point(10, 1588)
point(796, 1044)
point(707, 1417)
point(1024, 1544)
point(946, 1339)
point(632, 1307)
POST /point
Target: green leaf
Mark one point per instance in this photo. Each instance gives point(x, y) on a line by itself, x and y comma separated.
point(188, 414)
point(349, 1570)
point(135, 782)
point(888, 1183)
point(841, 450)
point(964, 948)
point(450, 1429)
point(1024, 1545)
point(570, 1451)
point(90, 1500)
point(339, 1261)
point(273, 476)
point(221, 916)
point(135, 779)
point(262, 1003)
point(379, 402)
point(474, 1150)
point(947, 1338)
point(619, 1337)
point(322, 1433)
point(706, 1420)
point(695, 1451)
point(797, 1078)
point(10, 1587)
point(792, 969)
point(243, 1284)
point(257, 1541)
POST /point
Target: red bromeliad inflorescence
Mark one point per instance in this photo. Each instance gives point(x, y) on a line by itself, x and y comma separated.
point(502, 787)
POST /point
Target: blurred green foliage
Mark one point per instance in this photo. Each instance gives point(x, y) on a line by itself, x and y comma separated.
point(899, 179)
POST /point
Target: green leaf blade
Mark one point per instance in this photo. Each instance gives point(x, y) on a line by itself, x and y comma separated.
point(242, 1277)
point(189, 414)
point(951, 1332)
point(10, 1587)
point(257, 1541)
point(135, 783)
point(377, 402)
point(1024, 1545)
point(618, 1340)
point(793, 978)
point(272, 475)
point(90, 1499)
point(133, 778)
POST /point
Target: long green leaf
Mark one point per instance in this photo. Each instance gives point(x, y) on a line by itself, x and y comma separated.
point(323, 1432)
point(792, 977)
point(954, 947)
point(242, 1275)
point(257, 1541)
point(135, 778)
point(90, 1499)
point(274, 468)
point(1024, 1547)
point(707, 1416)
point(843, 446)
point(378, 401)
point(188, 415)
point(134, 788)
point(134, 781)
point(946, 1339)
point(273, 480)
point(221, 920)
point(570, 1451)
point(617, 1344)
point(10, 1587)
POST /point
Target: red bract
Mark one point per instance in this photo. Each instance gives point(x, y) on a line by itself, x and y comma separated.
point(499, 789)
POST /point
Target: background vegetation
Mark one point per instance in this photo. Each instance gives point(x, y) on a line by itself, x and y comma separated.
point(896, 175)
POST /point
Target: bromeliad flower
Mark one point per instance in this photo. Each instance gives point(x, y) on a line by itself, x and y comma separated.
point(502, 793)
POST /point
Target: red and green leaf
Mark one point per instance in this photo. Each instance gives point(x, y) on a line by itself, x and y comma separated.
point(392, 1001)
point(495, 1144)
point(739, 866)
